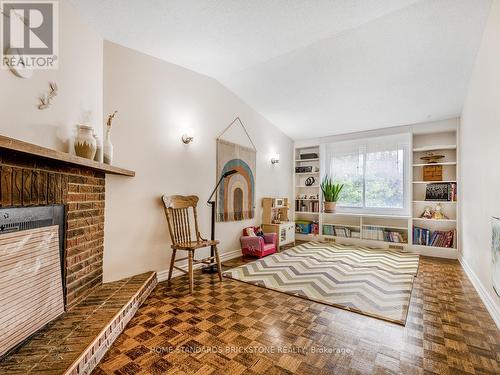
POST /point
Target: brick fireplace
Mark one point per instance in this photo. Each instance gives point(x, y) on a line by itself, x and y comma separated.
point(28, 180)
point(96, 313)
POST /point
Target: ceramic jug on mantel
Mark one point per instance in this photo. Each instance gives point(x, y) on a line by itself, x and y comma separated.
point(85, 143)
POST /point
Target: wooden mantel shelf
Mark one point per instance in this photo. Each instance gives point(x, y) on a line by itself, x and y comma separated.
point(31, 149)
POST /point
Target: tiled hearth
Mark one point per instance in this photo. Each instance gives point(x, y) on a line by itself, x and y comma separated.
point(75, 342)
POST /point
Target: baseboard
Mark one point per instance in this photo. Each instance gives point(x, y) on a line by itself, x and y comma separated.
point(483, 294)
point(163, 275)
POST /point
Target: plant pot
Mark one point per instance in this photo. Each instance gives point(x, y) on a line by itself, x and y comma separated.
point(330, 207)
point(85, 143)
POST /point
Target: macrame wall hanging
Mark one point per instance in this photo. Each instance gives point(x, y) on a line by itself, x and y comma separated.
point(236, 193)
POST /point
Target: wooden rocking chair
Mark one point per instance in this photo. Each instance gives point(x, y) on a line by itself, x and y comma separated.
point(177, 211)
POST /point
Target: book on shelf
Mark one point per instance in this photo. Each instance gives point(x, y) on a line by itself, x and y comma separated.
point(394, 236)
point(442, 191)
point(306, 206)
point(340, 231)
point(437, 238)
point(383, 234)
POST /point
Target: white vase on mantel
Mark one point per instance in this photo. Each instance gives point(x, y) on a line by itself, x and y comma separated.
point(98, 153)
point(108, 147)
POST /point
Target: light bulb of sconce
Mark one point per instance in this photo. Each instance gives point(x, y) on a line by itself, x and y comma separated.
point(275, 159)
point(188, 136)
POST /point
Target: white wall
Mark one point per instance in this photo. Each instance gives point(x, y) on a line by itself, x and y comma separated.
point(479, 162)
point(79, 78)
point(156, 101)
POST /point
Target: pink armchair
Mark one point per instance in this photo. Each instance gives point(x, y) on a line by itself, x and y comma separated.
point(258, 246)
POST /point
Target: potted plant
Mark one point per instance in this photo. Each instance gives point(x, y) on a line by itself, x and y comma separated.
point(331, 193)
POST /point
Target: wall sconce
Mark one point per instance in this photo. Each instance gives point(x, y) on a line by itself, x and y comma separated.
point(188, 137)
point(275, 159)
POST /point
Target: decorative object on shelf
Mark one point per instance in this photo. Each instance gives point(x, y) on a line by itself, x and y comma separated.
point(432, 173)
point(236, 194)
point(495, 254)
point(275, 159)
point(85, 143)
point(303, 226)
point(427, 214)
point(307, 197)
point(19, 69)
point(310, 181)
point(331, 193)
point(46, 100)
point(438, 213)
point(303, 169)
point(435, 214)
point(445, 191)
point(431, 158)
point(188, 136)
point(308, 156)
point(108, 146)
point(280, 202)
point(274, 210)
point(98, 154)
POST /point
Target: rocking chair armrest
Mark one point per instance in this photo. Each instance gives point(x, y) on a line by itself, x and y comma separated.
point(200, 237)
point(251, 242)
point(270, 238)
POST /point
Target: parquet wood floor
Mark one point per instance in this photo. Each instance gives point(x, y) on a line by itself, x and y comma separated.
point(236, 328)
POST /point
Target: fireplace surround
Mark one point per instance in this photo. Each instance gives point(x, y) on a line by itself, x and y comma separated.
point(27, 181)
point(32, 176)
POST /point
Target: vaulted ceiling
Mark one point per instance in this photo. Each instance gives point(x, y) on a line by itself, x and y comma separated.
point(313, 67)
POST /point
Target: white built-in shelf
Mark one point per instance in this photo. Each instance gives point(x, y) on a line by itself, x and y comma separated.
point(306, 173)
point(341, 225)
point(328, 236)
point(395, 217)
point(430, 202)
point(385, 226)
point(389, 242)
point(435, 220)
point(307, 212)
point(435, 148)
point(364, 239)
point(435, 251)
point(307, 199)
point(433, 182)
point(306, 237)
point(308, 187)
point(306, 160)
point(431, 164)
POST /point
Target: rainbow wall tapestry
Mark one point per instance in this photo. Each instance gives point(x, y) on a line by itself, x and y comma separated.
point(236, 193)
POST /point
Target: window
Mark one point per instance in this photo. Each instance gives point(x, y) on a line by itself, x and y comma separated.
point(374, 173)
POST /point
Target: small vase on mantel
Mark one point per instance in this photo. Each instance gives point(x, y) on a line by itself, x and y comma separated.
point(98, 154)
point(85, 143)
point(108, 147)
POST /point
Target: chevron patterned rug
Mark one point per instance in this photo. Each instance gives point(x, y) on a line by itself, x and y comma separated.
point(373, 282)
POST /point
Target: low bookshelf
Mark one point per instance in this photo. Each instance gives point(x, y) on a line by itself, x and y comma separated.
point(369, 230)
